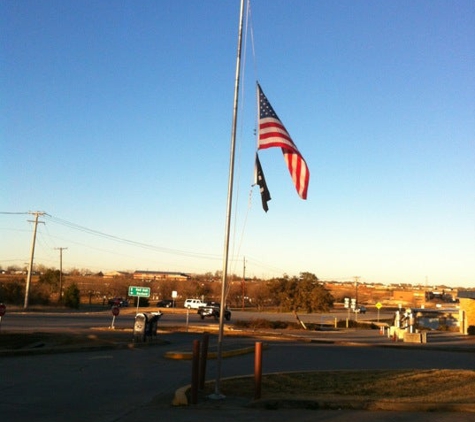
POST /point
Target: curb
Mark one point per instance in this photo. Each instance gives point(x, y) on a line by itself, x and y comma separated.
point(180, 398)
point(355, 404)
point(211, 355)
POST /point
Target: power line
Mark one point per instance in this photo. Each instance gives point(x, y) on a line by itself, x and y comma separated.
point(98, 233)
point(118, 239)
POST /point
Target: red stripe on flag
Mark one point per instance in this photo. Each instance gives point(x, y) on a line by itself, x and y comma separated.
point(272, 133)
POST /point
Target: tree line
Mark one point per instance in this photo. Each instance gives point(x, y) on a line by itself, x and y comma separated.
point(303, 293)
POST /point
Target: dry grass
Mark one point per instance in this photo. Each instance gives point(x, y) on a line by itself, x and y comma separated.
point(36, 340)
point(444, 386)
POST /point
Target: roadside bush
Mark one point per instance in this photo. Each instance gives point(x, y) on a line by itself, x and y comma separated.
point(38, 296)
point(356, 324)
point(71, 296)
point(13, 292)
point(261, 323)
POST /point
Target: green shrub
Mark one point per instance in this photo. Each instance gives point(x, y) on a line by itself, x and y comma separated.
point(71, 296)
point(13, 292)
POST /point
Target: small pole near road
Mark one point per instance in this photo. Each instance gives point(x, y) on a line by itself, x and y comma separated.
point(378, 306)
point(195, 371)
point(258, 371)
point(203, 359)
point(115, 312)
point(3, 309)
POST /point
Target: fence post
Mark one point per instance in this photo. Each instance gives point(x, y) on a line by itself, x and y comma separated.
point(258, 371)
point(203, 360)
point(195, 371)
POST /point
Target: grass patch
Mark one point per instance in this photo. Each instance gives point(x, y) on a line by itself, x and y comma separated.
point(15, 341)
point(37, 340)
point(441, 386)
point(265, 324)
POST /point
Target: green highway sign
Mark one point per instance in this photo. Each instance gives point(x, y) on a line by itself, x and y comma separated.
point(139, 291)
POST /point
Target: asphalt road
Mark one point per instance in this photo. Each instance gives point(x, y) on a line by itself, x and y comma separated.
point(51, 321)
point(138, 384)
point(117, 385)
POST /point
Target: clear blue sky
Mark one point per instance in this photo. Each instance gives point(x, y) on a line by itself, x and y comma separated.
point(116, 117)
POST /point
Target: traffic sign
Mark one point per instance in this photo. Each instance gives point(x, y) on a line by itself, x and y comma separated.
point(3, 309)
point(378, 305)
point(139, 291)
point(115, 310)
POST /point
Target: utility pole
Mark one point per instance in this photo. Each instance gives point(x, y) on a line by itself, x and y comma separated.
point(60, 273)
point(357, 279)
point(356, 297)
point(243, 281)
point(32, 255)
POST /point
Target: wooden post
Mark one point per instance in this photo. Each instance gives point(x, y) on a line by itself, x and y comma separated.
point(195, 371)
point(258, 371)
point(203, 360)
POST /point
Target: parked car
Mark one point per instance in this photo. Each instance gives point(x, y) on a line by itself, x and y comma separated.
point(360, 309)
point(166, 303)
point(119, 301)
point(213, 309)
point(193, 303)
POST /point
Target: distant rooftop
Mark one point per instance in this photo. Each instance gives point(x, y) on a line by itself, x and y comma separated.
point(466, 294)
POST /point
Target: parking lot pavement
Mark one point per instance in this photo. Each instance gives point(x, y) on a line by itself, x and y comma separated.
point(230, 408)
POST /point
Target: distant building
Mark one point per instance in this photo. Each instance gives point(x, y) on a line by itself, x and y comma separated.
point(467, 311)
point(115, 274)
point(160, 275)
point(408, 297)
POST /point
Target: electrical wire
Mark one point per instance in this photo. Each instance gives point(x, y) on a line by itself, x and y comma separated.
point(98, 233)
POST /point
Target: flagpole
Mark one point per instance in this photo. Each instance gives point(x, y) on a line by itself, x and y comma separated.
point(217, 393)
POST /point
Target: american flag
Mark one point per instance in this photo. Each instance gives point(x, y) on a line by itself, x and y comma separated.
point(272, 133)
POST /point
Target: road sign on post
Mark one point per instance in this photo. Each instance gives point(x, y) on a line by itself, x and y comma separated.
point(115, 312)
point(378, 306)
point(139, 291)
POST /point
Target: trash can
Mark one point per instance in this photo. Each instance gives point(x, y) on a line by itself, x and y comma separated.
point(145, 326)
point(140, 326)
point(152, 324)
